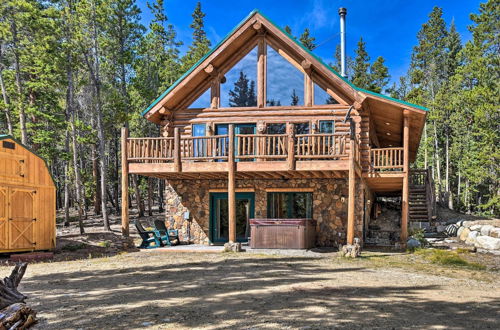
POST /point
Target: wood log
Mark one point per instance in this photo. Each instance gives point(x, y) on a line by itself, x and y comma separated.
point(8, 287)
point(14, 313)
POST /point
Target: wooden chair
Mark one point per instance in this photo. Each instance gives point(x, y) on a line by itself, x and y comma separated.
point(148, 237)
point(169, 236)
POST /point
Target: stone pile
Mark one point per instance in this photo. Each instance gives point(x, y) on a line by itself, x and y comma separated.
point(482, 234)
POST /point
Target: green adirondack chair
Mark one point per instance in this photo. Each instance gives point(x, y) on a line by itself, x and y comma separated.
point(167, 236)
point(148, 237)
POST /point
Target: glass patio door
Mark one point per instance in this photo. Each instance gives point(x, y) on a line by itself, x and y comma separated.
point(219, 216)
point(222, 129)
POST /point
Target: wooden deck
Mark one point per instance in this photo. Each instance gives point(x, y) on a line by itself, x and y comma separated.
point(259, 156)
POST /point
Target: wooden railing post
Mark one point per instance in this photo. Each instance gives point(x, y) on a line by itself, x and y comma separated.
point(291, 146)
point(177, 150)
point(125, 215)
point(231, 185)
point(406, 177)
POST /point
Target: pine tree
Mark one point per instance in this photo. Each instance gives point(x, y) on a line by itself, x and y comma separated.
point(243, 94)
point(307, 40)
point(379, 75)
point(201, 44)
point(360, 75)
point(295, 98)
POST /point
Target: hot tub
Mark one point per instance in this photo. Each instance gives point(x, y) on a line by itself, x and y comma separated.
point(282, 233)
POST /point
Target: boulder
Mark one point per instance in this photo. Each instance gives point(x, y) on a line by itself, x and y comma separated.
point(413, 243)
point(232, 247)
point(495, 232)
point(459, 231)
point(485, 230)
point(476, 227)
point(471, 238)
point(488, 242)
point(467, 224)
point(440, 228)
point(464, 234)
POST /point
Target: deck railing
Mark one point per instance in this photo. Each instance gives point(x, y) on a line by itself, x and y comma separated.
point(320, 146)
point(260, 147)
point(386, 159)
point(204, 148)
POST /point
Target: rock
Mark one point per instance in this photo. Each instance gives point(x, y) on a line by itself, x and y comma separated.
point(412, 243)
point(440, 228)
point(485, 230)
point(476, 227)
point(467, 224)
point(464, 234)
point(495, 232)
point(471, 238)
point(351, 251)
point(488, 242)
point(459, 231)
point(451, 230)
point(232, 247)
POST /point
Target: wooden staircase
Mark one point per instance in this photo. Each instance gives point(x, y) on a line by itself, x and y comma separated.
point(421, 196)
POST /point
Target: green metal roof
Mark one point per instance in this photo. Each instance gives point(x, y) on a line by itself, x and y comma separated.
point(6, 136)
point(252, 13)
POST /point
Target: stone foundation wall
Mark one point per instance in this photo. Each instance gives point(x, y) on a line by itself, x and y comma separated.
point(330, 200)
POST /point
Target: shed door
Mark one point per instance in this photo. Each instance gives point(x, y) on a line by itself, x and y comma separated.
point(21, 219)
point(3, 218)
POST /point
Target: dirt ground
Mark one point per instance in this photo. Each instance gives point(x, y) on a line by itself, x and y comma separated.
point(101, 281)
point(166, 290)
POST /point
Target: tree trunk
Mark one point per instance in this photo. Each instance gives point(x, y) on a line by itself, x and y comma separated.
point(138, 199)
point(8, 287)
point(17, 68)
point(95, 175)
point(161, 191)
point(438, 162)
point(150, 196)
point(5, 96)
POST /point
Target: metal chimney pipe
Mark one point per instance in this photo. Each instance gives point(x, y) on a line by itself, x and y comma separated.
point(342, 14)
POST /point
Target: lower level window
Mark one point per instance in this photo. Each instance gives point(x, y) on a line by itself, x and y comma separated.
point(289, 205)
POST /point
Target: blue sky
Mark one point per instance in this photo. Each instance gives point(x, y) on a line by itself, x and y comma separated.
point(388, 26)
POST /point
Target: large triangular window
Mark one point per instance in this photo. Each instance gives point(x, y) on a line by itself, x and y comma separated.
point(285, 83)
point(203, 101)
point(322, 97)
point(240, 86)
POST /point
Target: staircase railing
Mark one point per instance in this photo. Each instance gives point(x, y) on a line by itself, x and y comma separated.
point(424, 178)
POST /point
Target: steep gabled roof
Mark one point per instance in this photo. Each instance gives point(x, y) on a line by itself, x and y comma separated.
point(343, 83)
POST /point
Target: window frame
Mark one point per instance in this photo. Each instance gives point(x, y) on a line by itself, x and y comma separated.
point(326, 121)
point(289, 204)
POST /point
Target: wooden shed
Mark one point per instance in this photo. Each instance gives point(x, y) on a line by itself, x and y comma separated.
point(27, 199)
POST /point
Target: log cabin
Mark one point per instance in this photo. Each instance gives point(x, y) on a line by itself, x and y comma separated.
point(260, 128)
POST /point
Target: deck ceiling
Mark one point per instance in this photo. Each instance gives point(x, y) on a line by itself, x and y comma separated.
point(387, 119)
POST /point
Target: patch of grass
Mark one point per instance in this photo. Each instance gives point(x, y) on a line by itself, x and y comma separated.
point(448, 258)
point(105, 244)
point(73, 247)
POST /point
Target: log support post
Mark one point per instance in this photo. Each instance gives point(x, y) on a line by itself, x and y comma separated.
point(125, 197)
point(177, 150)
point(352, 193)
point(406, 178)
point(261, 71)
point(231, 185)
point(291, 146)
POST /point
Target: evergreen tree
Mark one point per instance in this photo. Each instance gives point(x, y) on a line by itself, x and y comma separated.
point(361, 75)
point(243, 94)
point(379, 75)
point(201, 44)
point(307, 40)
point(295, 98)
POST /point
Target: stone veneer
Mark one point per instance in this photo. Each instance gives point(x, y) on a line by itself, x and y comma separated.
point(329, 210)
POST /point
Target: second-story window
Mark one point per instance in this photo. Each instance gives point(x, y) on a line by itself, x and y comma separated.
point(326, 126)
point(199, 146)
point(302, 128)
point(276, 128)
